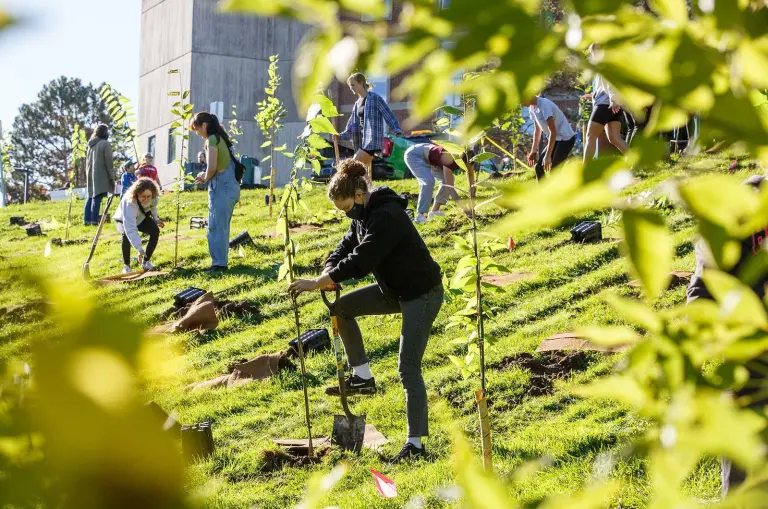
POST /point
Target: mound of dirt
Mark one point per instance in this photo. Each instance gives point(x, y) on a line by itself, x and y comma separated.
point(19, 312)
point(275, 460)
point(241, 308)
point(546, 368)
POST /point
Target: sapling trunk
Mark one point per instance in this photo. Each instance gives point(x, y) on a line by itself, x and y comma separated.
point(271, 169)
point(289, 256)
point(69, 214)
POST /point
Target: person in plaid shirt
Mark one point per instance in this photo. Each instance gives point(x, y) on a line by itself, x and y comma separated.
point(366, 124)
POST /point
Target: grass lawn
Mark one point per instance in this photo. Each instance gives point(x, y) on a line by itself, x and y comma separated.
point(528, 421)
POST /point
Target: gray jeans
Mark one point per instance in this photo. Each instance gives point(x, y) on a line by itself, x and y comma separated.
point(416, 158)
point(418, 316)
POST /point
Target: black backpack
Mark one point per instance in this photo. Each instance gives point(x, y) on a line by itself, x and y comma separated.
point(239, 167)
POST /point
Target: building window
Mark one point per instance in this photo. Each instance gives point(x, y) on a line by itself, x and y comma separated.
point(151, 146)
point(387, 12)
point(444, 4)
point(171, 146)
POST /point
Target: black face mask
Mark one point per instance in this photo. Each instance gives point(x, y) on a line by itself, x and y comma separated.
point(356, 212)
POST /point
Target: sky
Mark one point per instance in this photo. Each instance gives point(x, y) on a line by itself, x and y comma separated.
point(94, 40)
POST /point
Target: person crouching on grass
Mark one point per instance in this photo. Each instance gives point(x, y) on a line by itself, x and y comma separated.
point(382, 240)
point(429, 162)
point(561, 138)
point(138, 213)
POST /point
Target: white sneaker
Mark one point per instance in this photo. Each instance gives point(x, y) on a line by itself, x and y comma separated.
point(436, 213)
point(127, 269)
point(147, 266)
point(420, 219)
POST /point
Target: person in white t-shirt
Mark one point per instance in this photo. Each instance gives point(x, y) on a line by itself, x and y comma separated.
point(550, 120)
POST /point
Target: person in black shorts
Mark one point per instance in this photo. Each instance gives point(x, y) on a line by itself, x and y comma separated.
point(607, 115)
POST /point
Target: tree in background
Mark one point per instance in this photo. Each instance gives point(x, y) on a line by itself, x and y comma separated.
point(41, 136)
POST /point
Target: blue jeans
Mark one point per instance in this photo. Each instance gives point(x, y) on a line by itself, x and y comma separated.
point(416, 160)
point(223, 194)
point(92, 210)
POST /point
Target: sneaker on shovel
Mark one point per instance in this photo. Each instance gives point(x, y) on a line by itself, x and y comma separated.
point(355, 385)
point(420, 219)
point(409, 452)
point(435, 213)
point(127, 269)
point(147, 266)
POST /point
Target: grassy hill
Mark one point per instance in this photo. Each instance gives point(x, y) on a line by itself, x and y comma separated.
point(532, 416)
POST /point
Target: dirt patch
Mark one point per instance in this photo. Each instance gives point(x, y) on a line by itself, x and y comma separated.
point(19, 312)
point(239, 309)
point(68, 242)
point(676, 278)
point(507, 279)
point(545, 368)
point(276, 460)
point(171, 238)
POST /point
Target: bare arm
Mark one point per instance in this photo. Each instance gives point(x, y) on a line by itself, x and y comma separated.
point(212, 156)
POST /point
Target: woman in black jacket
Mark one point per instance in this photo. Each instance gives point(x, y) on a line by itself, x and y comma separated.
point(382, 240)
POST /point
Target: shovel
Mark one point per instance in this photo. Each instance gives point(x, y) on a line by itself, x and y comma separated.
point(87, 264)
point(348, 429)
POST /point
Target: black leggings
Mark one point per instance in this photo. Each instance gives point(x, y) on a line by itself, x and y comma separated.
point(559, 155)
point(148, 226)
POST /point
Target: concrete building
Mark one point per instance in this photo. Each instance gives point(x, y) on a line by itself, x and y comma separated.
point(222, 58)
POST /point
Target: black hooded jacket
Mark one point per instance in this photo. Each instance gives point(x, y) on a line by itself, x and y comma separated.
point(386, 243)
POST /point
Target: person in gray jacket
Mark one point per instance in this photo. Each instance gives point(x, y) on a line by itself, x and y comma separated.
point(138, 213)
point(100, 174)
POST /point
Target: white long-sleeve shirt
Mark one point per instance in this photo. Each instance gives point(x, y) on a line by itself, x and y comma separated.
point(603, 92)
point(129, 216)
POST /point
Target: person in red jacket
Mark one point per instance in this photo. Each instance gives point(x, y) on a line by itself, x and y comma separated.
point(148, 170)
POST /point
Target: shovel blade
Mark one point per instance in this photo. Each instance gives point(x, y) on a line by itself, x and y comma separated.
point(349, 433)
point(86, 272)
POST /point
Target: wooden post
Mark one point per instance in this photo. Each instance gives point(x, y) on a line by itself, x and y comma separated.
point(485, 430)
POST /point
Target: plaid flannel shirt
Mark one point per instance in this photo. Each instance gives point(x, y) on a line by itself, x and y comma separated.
point(376, 113)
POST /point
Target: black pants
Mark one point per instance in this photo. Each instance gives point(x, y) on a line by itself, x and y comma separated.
point(148, 226)
point(559, 155)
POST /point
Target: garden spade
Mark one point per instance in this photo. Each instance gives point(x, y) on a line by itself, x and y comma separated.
point(348, 429)
point(86, 265)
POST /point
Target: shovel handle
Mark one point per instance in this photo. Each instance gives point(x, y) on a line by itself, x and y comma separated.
point(331, 305)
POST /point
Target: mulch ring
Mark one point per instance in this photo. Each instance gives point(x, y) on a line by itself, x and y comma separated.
point(546, 368)
point(69, 242)
point(19, 312)
point(507, 279)
point(242, 308)
point(276, 460)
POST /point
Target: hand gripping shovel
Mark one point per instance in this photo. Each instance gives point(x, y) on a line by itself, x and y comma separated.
point(86, 265)
point(348, 429)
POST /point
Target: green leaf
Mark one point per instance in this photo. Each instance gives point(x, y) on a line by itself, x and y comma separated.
point(284, 269)
point(635, 312)
point(650, 248)
point(450, 110)
point(321, 125)
point(483, 156)
point(457, 361)
point(738, 303)
point(266, 144)
point(676, 10)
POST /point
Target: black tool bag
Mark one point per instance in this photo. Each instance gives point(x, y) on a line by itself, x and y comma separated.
point(197, 441)
point(244, 239)
point(187, 296)
point(198, 223)
point(312, 340)
point(587, 231)
point(33, 230)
